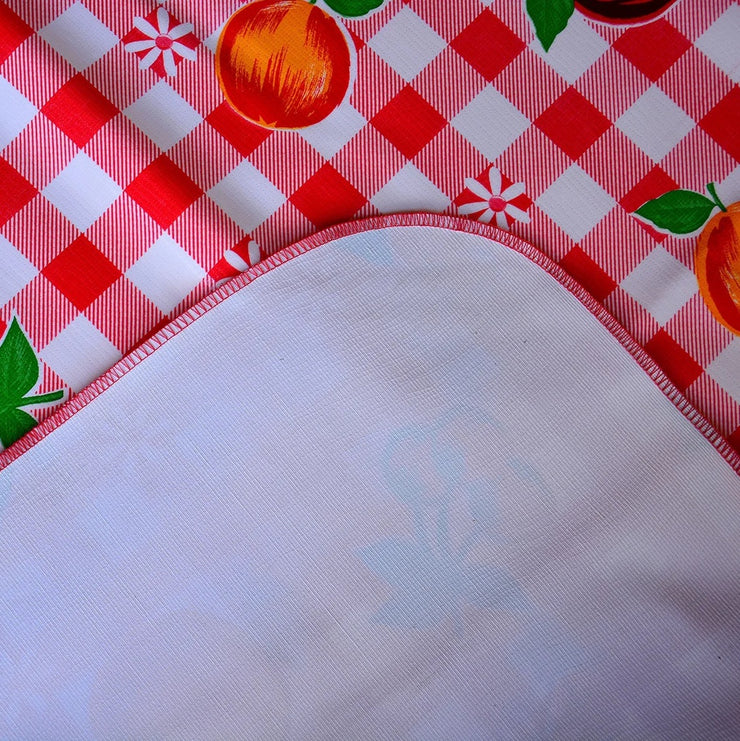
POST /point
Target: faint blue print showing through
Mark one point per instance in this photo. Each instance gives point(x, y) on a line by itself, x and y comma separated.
point(375, 247)
point(431, 572)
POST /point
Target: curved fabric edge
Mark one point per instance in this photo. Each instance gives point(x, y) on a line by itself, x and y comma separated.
point(332, 233)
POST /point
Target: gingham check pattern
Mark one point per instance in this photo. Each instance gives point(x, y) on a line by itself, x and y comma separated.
point(126, 194)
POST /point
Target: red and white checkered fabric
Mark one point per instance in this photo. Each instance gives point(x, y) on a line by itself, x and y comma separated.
point(127, 189)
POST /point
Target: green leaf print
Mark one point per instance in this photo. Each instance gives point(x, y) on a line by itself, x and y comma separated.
point(549, 17)
point(19, 374)
point(353, 8)
point(678, 211)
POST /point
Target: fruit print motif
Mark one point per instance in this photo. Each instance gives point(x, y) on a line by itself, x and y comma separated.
point(19, 374)
point(718, 266)
point(550, 17)
point(623, 11)
point(717, 262)
point(432, 570)
point(287, 64)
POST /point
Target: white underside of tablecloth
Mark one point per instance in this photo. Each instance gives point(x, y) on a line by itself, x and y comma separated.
point(404, 486)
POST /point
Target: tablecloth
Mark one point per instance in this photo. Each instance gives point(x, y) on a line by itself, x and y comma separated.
point(369, 490)
point(131, 183)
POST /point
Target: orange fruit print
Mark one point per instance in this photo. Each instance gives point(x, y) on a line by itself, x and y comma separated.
point(718, 266)
point(283, 64)
point(717, 259)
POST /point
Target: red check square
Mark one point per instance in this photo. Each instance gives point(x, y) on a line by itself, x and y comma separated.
point(722, 123)
point(327, 197)
point(653, 48)
point(79, 109)
point(678, 365)
point(244, 136)
point(654, 184)
point(14, 32)
point(734, 439)
point(588, 273)
point(409, 122)
point(573, 123)
point(488, 45)
point(15, 191)
point(81, 272)
point(164, 191)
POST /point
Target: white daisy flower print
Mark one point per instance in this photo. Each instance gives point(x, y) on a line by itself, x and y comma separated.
point(161, 42)
point(493, 198)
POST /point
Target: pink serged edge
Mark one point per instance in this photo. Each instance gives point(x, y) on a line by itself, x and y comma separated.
point(332, 233)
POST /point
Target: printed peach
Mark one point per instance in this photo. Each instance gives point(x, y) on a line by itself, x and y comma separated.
point(283, 63)
point(718, 266)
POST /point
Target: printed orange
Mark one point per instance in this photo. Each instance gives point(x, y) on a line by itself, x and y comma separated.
point(283, 63)
point(718, 266)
